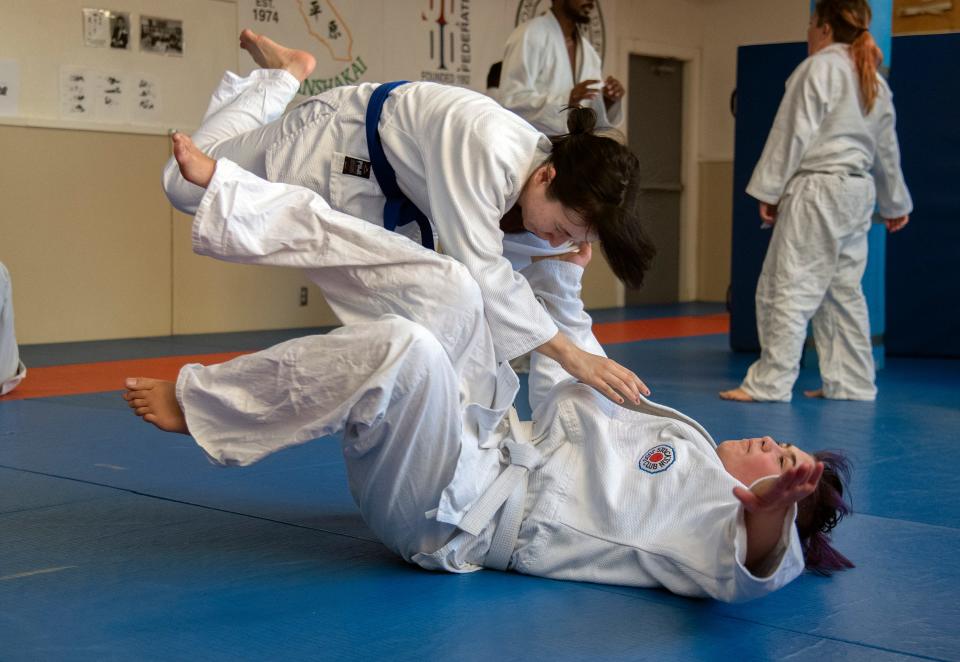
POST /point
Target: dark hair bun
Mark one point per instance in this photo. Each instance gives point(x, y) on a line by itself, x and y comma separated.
point(581, 120)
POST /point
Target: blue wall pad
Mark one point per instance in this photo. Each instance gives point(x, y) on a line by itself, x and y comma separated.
point(923, 318)
point(761, 74)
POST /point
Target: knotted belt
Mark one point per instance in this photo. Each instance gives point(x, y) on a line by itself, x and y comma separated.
point(508, 492)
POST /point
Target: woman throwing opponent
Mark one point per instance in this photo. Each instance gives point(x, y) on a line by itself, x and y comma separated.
point(384, 153)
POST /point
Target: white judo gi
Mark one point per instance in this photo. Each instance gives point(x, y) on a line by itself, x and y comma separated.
point(536, 78)
point(12, 370)
point(460, 157)
point(438, 463)
point(826, 165)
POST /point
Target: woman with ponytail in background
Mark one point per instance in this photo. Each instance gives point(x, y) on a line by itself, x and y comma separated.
point(831, 157)
point(456, 162)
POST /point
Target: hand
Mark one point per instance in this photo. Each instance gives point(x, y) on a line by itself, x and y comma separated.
point(612, 91)
point(778, 494)
point(582, 90)
point(897, 224)
point(768, 213)
point(605, 375)
point(580, 257)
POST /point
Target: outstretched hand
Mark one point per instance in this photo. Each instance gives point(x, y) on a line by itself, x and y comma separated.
point(605, 375)
point(781, 492)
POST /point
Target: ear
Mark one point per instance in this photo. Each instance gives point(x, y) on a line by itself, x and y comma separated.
point(546, 173)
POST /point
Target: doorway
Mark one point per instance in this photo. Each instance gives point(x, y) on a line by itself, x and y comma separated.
point(655, 125)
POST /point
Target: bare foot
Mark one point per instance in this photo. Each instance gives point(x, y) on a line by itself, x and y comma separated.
point(818, 393)
point(737, 394)
point(195, 166)
point(271, 55)
point(155, 400)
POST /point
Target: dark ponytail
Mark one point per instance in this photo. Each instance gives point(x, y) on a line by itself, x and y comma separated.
point(850, 22)
point(598, 178)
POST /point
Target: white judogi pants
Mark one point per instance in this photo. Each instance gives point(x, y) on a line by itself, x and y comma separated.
point(395, 389)
point(813, 269)
point(12, 370)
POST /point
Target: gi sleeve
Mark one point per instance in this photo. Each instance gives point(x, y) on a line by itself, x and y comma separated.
point(521, 89)
point(805, 103)
point(557, 286)
point(893, 198)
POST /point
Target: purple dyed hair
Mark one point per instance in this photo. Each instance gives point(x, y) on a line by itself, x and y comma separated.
point(820, 512)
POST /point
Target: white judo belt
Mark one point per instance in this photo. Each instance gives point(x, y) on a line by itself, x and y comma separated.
point(508, 492)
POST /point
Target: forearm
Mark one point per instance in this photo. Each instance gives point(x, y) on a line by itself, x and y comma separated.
point(764, 530)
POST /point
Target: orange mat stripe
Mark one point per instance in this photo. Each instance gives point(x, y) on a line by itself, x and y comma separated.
point(103, 376)
point(109, 375)
point(612, 333)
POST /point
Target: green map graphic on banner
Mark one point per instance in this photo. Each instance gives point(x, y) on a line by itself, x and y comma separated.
point(324, 28)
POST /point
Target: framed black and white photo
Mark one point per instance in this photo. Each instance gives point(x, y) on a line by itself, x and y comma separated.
point(119, 30)
point(161, 35)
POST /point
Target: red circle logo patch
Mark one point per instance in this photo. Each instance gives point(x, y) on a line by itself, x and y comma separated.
point(657, 459)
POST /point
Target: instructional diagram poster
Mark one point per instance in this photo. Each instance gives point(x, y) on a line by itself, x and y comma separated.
point(9, 88)
point(109, 96)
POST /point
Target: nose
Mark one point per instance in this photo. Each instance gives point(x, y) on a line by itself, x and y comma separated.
point(768, 445)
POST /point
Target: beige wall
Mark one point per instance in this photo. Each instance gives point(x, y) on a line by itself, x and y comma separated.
point(715, 230)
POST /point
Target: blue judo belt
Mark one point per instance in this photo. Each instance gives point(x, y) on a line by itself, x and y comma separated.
point(398, 210)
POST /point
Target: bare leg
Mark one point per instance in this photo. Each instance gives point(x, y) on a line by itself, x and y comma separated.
point(155, 400)
point(737, 394)
point(195, 166)
point(270, 55)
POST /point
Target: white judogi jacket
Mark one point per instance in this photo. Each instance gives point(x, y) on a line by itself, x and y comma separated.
point(458, 155)
point(12, 370)
point(536, 78)
point(820, 128)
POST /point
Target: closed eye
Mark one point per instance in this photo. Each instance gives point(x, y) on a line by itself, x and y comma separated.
point(793, 456)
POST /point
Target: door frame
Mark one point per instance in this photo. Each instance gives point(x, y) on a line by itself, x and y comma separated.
point(689, 148)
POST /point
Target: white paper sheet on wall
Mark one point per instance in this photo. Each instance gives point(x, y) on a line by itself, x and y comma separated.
point(146, 99)
point(110, 97)
point(76, 90)
point(96, 27)
point(9, 88)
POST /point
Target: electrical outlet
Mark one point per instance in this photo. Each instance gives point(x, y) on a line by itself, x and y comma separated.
point(303, 296)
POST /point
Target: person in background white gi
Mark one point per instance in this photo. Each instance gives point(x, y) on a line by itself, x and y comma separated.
point(831, 155)
point(471, 165)
point(549, 66)
point(12, 370)
point(440, 466)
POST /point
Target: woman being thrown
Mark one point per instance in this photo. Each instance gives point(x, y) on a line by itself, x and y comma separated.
point(471, 166)
point(438, 462)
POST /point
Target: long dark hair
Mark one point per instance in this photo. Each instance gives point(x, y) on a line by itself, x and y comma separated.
point(850, 22)
point(598, 178)
point(819, 513)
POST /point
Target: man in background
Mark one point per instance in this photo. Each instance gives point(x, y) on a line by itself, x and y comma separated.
point(548, 66)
